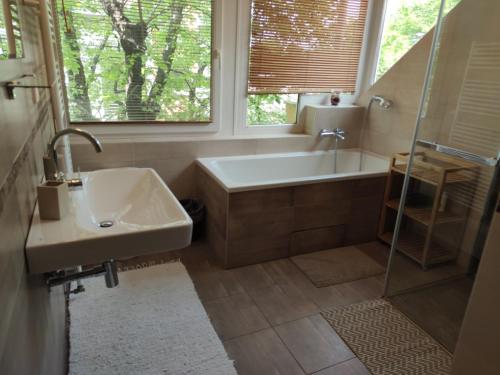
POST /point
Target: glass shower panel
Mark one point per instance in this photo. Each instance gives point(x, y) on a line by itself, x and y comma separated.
point(441, 216)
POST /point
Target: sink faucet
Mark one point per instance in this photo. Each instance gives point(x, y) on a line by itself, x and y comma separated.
point(338, 133)
point(51, 164)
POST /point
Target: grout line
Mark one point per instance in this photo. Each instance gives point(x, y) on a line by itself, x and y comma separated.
point(246, 334)
point(269, 323)
point(275, 283)
point(339, 363)
point(289, 351)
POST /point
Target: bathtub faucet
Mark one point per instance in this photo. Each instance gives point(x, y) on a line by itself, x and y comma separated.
point(338, 133)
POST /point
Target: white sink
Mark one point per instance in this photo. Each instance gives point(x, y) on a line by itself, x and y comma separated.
point(145, 215)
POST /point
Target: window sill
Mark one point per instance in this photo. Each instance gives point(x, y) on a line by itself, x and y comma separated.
point(173, 137)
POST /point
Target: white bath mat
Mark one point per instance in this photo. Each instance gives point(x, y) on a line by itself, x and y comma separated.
point(152, 323)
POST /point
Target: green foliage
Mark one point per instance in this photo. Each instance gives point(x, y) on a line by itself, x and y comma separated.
point(4, 47)
point(410, 22)
point(153, 64)
point(271, 109)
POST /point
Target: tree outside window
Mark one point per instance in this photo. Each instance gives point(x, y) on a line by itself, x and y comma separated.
point(406, 22)
point(137, 60)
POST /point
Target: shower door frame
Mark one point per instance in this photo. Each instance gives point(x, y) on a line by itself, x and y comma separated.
point(490, 203)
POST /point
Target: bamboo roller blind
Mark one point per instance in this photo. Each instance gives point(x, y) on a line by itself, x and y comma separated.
point(304, 46)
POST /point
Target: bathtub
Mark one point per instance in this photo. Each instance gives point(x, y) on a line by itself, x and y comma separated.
point(265, 207)
point(254, 172)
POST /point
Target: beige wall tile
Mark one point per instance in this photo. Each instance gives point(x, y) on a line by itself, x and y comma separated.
point(111, 152)
point(32, 323)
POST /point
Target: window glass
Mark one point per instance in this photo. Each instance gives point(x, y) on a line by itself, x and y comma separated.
point(301, 47)
point(137, 60)
point(268, 109)
point(405, 23)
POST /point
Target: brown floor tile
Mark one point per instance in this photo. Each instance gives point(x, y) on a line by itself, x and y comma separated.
point(283, 303)
point(445, 303)
point(361, 290)
point(376, 250)
point(262, 353)
point(235, 316)
point(284, 271)
point(252, 277)
point(313, 343)
point(212, 282)
point(351, 367)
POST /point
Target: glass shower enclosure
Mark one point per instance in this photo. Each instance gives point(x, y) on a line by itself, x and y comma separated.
point(441, 195)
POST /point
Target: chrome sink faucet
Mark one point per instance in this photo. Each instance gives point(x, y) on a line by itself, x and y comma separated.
point(51, 165)
point(338, 133)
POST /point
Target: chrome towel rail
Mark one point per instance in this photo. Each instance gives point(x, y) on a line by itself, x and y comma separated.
point(491, 162)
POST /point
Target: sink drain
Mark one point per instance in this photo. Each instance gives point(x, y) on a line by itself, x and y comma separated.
point(106, 223)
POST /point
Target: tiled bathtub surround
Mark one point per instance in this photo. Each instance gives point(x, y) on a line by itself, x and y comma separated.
point(32, 320)
point(256, 226)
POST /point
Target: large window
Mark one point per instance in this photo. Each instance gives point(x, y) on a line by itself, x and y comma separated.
point(300, 47)
point(137, 60)
point(405, 23)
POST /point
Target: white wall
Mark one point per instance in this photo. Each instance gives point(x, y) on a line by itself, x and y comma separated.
point(477, 350)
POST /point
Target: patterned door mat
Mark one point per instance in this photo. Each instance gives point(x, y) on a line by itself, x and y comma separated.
point(386, 341)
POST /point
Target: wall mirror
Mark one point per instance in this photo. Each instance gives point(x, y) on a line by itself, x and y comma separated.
point(11, 44)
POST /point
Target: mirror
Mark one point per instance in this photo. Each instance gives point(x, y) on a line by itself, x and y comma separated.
point(11, 44)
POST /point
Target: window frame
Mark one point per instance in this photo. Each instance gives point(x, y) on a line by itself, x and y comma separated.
point(373, 43)
point(241, 76)
point(232, 59)
point(133, 127)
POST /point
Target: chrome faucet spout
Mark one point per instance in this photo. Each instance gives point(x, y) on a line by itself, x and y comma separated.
point(53, 171)
point(383, 102)
point(338, 133)
point(93, 140)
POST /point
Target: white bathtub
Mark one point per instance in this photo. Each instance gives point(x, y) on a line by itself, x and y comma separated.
point(253, 172)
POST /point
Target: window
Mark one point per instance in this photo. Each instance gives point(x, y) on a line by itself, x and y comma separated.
point(11, 44)
point(269, 109)
point(137, 60)
point(301, 47)
point(405, 23)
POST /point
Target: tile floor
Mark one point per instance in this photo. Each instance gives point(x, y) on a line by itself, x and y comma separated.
point(267, 316)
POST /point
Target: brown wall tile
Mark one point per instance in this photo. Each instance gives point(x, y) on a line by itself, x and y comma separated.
point(215, 199)
point(276, 222)
point(308, 241)
point(308, 217)
point(322, 193)
point(256, 250)
point(364, 219)
point(260, 200)
point(368, 187)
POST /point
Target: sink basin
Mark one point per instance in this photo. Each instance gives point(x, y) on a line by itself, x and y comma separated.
point(118, 213)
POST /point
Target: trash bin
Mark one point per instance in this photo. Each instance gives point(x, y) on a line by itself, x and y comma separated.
point(196, 210)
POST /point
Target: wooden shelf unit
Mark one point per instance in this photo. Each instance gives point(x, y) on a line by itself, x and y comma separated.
point(433, 169)
point(424, 214)
point(412, 244)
